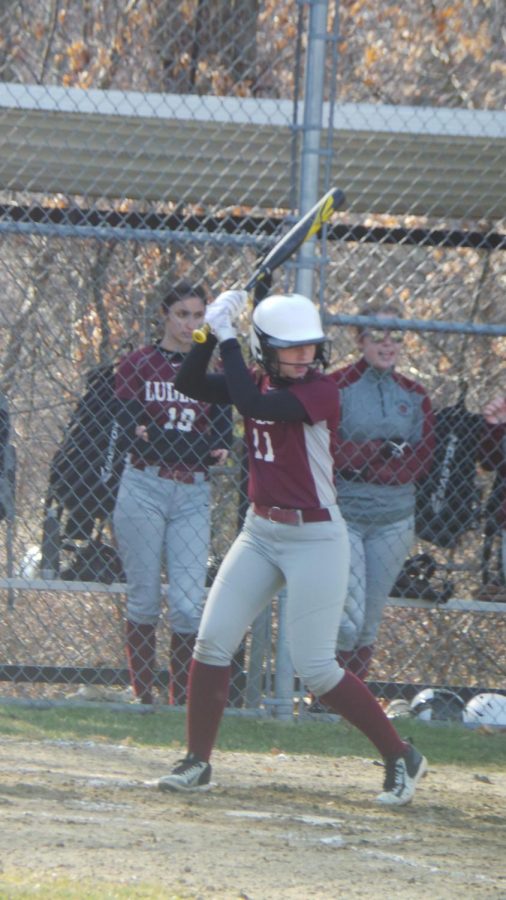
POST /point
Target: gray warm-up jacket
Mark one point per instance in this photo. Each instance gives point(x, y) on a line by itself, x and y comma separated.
point(373, 484)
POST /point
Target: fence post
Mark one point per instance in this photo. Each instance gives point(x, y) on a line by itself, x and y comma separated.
point(312, 134)
point(10, 463)
point(284, 675)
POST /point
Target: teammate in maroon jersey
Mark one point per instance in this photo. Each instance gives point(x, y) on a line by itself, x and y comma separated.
point(293, 533)
point(162, 510)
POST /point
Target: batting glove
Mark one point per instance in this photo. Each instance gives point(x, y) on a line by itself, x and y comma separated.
point(232, 301)
point(220, 322)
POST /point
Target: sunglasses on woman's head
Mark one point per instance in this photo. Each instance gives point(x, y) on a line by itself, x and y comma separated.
point(377, 335)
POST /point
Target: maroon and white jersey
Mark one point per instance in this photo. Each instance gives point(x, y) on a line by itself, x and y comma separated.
point(291, 464)
point(147, 375)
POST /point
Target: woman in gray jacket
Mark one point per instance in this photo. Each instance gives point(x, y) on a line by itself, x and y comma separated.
point(385, 444)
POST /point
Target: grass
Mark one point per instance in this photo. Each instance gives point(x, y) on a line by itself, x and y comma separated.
point(25, 886)
point(443, 744)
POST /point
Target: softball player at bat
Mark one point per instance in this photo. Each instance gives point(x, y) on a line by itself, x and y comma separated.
point(162, 511)
point(293, 533)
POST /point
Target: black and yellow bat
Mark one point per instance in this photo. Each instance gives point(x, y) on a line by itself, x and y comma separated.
point(307, 227)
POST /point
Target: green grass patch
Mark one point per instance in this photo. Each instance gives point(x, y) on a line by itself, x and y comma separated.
point(19, 886)
point(447, 744)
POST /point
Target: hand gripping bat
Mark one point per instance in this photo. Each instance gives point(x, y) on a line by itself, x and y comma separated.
point(302, 231)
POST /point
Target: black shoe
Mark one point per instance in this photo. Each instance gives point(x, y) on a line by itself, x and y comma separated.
point(316, 708)
point(189, 774)
point(401, 777)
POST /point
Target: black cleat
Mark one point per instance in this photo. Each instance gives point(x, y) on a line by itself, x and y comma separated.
point(401, 777)
point(189, 774)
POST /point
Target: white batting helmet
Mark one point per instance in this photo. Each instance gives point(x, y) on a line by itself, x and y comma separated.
point(486, 709)
point(437, 704)
point(286, 320)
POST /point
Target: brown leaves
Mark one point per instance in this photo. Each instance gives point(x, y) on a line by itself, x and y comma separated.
point(78, 55)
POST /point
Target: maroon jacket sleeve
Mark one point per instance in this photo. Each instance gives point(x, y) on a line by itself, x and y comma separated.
point(350, 455)
point(371, 457)
point(416, 460)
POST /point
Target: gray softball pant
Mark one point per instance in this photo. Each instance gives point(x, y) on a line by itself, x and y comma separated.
point(377, 556)
point(313, 561)
point(156, 520)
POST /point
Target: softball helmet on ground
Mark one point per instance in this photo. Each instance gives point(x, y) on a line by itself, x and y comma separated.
point(486, 709)
point(437, 704)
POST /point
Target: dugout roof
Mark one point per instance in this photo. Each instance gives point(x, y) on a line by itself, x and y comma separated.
point(225, 151)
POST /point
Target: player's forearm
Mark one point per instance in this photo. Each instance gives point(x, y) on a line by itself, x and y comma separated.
point(276, 406)
point(352, 455)
point(194, 380)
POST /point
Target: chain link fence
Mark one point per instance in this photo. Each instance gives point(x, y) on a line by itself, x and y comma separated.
point(144, 143)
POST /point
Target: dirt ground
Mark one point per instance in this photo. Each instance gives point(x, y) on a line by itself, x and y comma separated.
point(273, 827)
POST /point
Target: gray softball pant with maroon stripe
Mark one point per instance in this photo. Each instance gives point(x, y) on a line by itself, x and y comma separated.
point(313, 561)
point(158, 520)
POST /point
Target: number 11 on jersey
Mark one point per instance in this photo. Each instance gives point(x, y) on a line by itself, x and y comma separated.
point(263, 445)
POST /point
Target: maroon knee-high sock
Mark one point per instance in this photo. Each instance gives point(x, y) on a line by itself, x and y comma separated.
point(345, 658)
point(207, 696)
point(362, 661)
point(357, 661)
point(141, 655)
point(353, 700)
point(181, 649)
